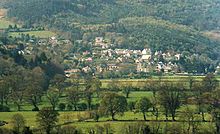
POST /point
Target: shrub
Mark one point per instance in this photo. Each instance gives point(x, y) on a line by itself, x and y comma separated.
point(18, 123)
point(69, 107)
point(27, 130)
point(131, 105)
point(70, 130)
point(83, 116)
point(82, 106)
point(5, 131)
point(95, 106)
point(4, 108)
point(35, 109)
point(136, 128)
point(95, 115)
point(62, 106)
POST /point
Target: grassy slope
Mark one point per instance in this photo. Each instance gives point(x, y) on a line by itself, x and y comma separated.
point(5, 23)
point(40, 34)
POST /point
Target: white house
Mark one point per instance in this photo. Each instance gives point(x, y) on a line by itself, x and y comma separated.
point(146, 54)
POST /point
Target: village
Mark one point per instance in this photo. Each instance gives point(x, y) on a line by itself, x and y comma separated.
point(106, 57)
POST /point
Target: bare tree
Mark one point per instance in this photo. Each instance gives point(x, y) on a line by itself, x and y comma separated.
point(17, 85)
point(200, 98)
point(53, 95)
point(73, 98)
point(4, 90)
point(34, 90)
point(18, 122)
point(210, 82)
point(169, 97)
point(126, 89)
point(189, 116)
point(214, 100)
point(47, 119)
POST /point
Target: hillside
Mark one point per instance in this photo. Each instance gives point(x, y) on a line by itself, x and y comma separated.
point(201, 14)
point(131, 24)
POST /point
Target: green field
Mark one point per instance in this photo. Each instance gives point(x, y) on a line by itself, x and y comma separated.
point(5, 23)
point(141, 82)
point(39, 34)
point(70, 118)
point(133, 96)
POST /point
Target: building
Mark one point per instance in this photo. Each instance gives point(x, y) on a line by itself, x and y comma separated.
point(70, 72)
point(146, 54)
point(112, 67)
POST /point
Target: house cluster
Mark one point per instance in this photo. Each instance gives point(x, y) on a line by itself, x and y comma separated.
point(107, 57)
point(157, 61)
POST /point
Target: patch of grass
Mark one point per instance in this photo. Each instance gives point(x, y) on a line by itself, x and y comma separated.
point(135, 95)
point(39, 34)
point(5, 23)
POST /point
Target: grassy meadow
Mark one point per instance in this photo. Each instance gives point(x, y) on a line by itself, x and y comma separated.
point(140, 82)
point(39, 34)
point(4, 23)
point(71, 118)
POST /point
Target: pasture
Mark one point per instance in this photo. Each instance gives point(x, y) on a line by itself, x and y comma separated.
point(71, 118)
point(4, 23)
point(142, 82)
point(83, 121)
point(38, 34)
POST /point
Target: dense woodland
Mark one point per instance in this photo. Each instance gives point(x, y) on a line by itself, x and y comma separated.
point(197, 13)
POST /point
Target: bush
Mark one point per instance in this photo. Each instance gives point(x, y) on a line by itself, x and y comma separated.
point(4, 108)
point(70, 130)
point(62, 106)
point(131, 105)
point(174, 128)
point(95, 106)
point(35, 109)
point(18, 123)
point(82, 107)
point(95, 115)
point(5, 131)
point(83, 116)
point(136, 128)
point(69, 107)
point(27, 130)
